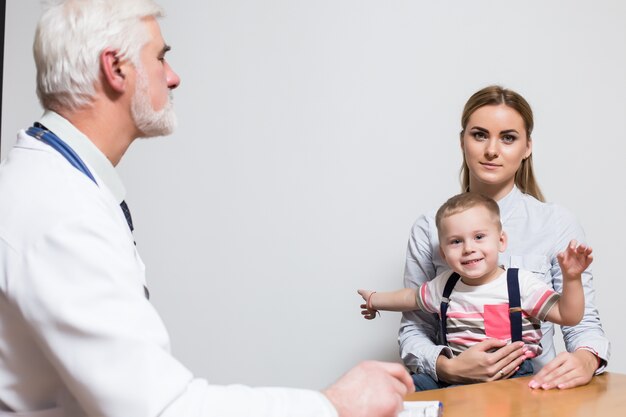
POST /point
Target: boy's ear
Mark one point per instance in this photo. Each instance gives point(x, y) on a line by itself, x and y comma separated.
point(113, 70)
point(503, 241)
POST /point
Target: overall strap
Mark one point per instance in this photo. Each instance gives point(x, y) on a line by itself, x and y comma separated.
point(445, 300)
point(515, 308)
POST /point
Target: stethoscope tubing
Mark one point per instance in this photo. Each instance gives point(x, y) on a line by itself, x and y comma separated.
point(49, 138)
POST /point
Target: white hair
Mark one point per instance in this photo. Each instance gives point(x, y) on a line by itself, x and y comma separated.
point(70, 37)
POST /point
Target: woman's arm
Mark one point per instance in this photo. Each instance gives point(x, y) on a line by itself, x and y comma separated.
point(588, 348)
point(419, 331)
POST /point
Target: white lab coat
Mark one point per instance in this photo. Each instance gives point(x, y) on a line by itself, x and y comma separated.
point(77, 335)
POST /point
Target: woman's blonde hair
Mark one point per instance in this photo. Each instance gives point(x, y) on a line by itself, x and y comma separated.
point(492, 96)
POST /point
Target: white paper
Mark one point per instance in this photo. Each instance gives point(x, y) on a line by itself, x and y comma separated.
point(422, 409)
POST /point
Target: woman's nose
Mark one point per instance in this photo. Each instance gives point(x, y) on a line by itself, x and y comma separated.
point(491, 149)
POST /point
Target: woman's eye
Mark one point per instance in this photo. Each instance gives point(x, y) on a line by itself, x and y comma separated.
point(508, 138)
point(479, 135)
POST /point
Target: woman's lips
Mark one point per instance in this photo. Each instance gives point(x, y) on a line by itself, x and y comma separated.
point(490, 166)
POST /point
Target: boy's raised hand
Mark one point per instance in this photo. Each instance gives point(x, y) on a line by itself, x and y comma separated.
point(367, 311)
point(575, 259)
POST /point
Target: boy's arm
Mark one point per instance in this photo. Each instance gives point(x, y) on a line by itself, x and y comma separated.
point(569, 310)
point(400, 300)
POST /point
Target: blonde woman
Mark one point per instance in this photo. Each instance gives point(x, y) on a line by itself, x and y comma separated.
point(496, 143)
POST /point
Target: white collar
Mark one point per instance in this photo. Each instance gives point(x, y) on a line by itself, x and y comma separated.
point(86, 150)
point(508, 203)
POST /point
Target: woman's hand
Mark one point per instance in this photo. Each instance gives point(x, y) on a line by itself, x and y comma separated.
point(567, 370)
point(478, 364)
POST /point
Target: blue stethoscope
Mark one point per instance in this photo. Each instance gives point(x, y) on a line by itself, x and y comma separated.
point(39, 131)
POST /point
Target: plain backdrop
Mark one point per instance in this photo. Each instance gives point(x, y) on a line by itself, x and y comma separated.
point(313, 133)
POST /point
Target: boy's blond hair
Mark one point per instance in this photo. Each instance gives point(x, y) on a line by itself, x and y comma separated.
point(465, 201)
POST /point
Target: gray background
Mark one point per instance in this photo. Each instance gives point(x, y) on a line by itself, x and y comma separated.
point(313, 133)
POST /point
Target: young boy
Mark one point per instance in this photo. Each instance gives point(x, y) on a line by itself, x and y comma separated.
point(477, 308)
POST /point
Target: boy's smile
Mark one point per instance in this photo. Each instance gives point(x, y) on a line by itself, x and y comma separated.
point(470, 243)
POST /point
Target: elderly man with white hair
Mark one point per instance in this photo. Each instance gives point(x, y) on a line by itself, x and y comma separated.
point(78, 335)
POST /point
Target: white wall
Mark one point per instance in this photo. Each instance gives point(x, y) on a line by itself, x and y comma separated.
point(313, 133)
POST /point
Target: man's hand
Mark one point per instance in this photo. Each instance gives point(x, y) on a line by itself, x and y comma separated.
point(371, 389)
point(567, 370)
point(478, 364)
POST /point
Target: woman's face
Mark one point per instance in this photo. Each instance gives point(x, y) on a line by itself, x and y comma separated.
point(494, 144)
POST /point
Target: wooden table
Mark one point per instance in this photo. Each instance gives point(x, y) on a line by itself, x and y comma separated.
point(604, 396)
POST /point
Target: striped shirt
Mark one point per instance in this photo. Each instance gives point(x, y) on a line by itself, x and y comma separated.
point(480, 312)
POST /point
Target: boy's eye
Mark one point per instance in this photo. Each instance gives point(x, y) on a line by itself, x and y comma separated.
point(455, 241)
point(480, 236)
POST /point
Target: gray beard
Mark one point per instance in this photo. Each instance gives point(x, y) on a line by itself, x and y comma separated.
point(151, 122)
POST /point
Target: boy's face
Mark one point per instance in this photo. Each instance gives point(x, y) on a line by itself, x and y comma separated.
point(470, 242)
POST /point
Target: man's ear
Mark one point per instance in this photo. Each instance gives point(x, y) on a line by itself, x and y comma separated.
point(113, 70)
